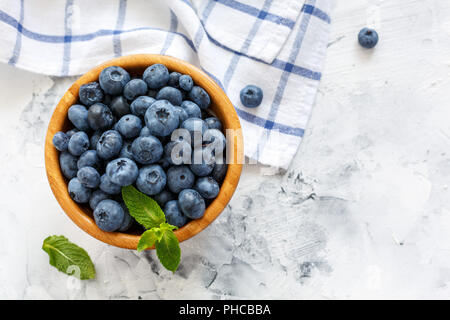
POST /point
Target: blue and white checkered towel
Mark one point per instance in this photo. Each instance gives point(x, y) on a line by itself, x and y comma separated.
point(278, 45)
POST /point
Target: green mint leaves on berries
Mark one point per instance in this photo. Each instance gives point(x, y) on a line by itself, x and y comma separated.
point(159, 233)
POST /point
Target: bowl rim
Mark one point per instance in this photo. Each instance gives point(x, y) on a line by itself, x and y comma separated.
point(58, 182)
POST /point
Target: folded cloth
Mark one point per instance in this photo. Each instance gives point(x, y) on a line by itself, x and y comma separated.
point(277, 45)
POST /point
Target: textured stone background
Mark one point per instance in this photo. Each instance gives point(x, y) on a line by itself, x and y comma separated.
point(363, 212)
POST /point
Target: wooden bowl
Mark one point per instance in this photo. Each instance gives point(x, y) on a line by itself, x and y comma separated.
point(135, 65)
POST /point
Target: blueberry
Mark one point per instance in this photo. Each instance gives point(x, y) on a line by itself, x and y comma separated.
point(78, 192)
point(122, 171)
point(163, 197)
point(200, 97)
point(192, 109)
point(96, 197)
point(109, 144)
point(182, 114)
point(108, 99)
point(140, 105)
point(173, 213)
point(145, 132)
point(368, 38)
point(127, 219)
point(89, 177)
point(68, 164)
point(174, 79)
point(71, 132)
point(213, 123)
point(151, 180)
point(91, 93)
point(251, 96)
point(120, 107)
point(171, 94)
point(78, 143)
point(161, 118)
point(109, 215)
point(78, 115)
point(60, 141)
point(109, 187)
point(129, 126)
point(100, 117)
point(152, 93)
point(207, 187)
point(191, 203)
point(113, 80)
point(219, 171)
point(134, 89)
point(179, 178)
point(147, 150)
point(156, 76)
point(214, 140)
point(196, 128)
point(178, 152)
point(186, 82)
point(125, 152)
point(202, 164)
point(89, 158)
point(94, 139)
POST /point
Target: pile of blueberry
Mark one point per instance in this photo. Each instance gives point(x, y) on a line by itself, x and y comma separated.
point(125, 135)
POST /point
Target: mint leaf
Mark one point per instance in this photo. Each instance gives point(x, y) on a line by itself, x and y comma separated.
point(144, 209)
point(168, 250)
point(147, 240)
point(69, 258)
point(165, 226)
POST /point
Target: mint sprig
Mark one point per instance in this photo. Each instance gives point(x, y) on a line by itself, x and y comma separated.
point(160, 234)
point(69, 258)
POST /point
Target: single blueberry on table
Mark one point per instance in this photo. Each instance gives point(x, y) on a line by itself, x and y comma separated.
point(129, 126)
point(251, 96)
point(163, 197)
point(368, 38)
point(179, 178)
point(109, 145)
point(186, 82)
point(213, 123)
point(202, 163)
point(196, 128)
point(182, 114)
point(140, 105)
point(219, 171)
point(78, 115)
point(119, 107)
point(134, 89)
point(89, 177)
point(207, 187)
point(178, 152)
point(107, 186)
point(147, 150)
point(89, 158)
point(96, 197)
point(113, 79)
point(199, 96)
point(78, 192)
point(170, 94)
point(156, 76)
point(128, 220)
point(174, 79)
point(100, 117)
point(78, 143)
point(161, 118)
point(192, 109)
point(173, 213)
point(90, 93)
point(60, 141)
point(191, 203)
point(151, 179)
point(68, 164)
point(122, 171)
point(125, 152)
point(109, 215)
